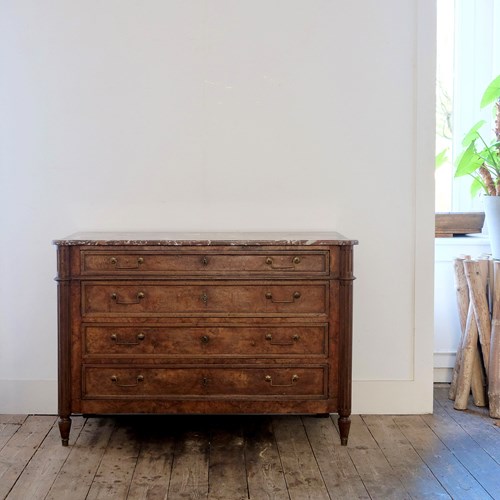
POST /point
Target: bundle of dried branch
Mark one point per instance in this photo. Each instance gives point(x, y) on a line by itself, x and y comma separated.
point(477, 366)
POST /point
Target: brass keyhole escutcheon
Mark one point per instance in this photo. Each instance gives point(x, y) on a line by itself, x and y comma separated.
point(204, 298)
point(204, 261)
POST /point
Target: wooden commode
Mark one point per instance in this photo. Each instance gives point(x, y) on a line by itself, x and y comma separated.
point(205, 323)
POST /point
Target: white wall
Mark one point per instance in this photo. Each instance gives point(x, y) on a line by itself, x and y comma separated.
point(221, 115)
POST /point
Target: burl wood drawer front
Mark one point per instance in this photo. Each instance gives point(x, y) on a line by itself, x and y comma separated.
point(141, 262)
point(140, 298)
point(136, 382)
point(234, 341)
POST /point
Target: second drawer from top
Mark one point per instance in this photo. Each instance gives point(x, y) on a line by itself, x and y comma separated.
point(131, 298)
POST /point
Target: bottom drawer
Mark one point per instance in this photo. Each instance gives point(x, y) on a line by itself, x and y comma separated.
point(181, 382)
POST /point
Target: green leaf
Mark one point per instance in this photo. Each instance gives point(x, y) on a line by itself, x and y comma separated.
point(492, 92)
point(490, 155)
point(468, 161)
point(442, 157)
point(472, 134)
point(476, 186)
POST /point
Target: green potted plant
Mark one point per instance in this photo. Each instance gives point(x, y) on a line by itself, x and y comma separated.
point(480, 159)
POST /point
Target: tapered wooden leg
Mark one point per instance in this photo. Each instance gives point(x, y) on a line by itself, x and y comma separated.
point(344, 426)
point(64, 428)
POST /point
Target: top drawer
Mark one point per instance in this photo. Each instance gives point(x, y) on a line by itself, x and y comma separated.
point(118, 262)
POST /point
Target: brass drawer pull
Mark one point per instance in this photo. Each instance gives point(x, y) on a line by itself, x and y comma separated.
point(205, 339)
point(114, 379)
point(140, 336)
point(296, 295)
point(204, 298)
point(140, 295)
point(204, 261)
point(269, 379)
point(114, 261)
point(270, 262)
point(205, 381)
point(269, 337)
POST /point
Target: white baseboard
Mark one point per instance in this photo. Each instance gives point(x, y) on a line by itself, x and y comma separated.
point(391, 397)
point(28, 396)
point(444, 359)
point(442, 374)
point(443, 366)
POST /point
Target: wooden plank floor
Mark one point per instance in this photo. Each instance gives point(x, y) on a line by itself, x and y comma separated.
point(448, 454)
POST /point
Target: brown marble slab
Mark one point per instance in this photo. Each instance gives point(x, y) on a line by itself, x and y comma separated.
point(205, 238)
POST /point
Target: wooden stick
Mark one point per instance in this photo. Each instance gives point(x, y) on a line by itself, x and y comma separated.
point(491, 282)
point(494, 362)
point(484, 272)
point(478, 382)
point(479, 376)
point(467, 365)
point(463, 307)
point(477, 294)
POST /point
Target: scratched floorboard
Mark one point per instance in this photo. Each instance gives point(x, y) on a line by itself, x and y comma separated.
point(448, 455)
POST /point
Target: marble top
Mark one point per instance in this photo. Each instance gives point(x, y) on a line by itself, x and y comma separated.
point(205, 239)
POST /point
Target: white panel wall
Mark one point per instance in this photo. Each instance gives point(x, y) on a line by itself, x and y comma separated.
point(221, 115)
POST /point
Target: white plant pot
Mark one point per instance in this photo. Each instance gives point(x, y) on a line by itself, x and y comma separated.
point(492, 211)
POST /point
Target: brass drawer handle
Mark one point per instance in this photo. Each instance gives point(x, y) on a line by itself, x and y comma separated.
point(204, 298)
point(269, 379)
point(296, 295)
point(204, 261)
point(114, 379)
point(140, 336)
point(140, 295)
point(269, 337)
point(205, 339)
point(205, 381)
point(114, 261)
point(270, 262)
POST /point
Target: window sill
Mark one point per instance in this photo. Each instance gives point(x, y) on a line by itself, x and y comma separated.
point(452, 224)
